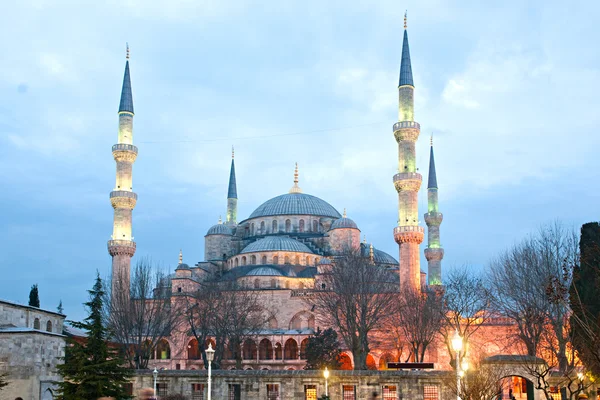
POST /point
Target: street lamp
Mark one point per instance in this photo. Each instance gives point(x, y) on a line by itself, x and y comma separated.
point(210, 355)
point(155, 375)
point(326, 376)
point(457, 345)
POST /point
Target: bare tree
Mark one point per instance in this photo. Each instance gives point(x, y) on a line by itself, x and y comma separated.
point(139, 317)
point(358, 298)
point(480, 382)
point(466, 306)
point(419, 319)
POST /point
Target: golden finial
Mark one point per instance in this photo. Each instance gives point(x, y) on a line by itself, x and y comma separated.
point(296, 174)
point(296, 188)
point(232, 152)
point(431, 139)
point(220, 221)
point(127, 51)
point(180, 257)
point(405, 15)
point(344, 212)
point(371, 253)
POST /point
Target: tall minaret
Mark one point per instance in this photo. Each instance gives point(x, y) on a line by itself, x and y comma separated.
point(408, 234)
point(231, 218)
point(121, 246)
point(433, 218)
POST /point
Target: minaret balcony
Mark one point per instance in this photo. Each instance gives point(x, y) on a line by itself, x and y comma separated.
point(123, 199)
point(434, 218)
point(407, 131)
point(434, 253)
point(407, 181)
point(409, 234)
point(124, 152)
point(121, 247)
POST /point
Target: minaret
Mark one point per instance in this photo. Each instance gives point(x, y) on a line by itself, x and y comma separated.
point(433, 218)
point(121, 246)
point(231, 217)
point(408, 234)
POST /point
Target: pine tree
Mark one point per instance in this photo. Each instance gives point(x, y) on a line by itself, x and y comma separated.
point(34, 298)
point(92, 369)
point(323, 350)
point(60, 308)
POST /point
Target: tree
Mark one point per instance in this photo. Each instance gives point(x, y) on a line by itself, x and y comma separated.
point(585, 320)
point(141, 316)
point(34, 298)
point(480, 382)
point(359, 297)
point(92, 369)
point(60, 309)
point(419, 318)
point(323, 350)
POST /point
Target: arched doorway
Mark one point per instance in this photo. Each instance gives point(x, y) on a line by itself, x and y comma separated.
point(193, 350)
point(290, 350)
point(346, 362)
point(517, 388)
point(265, 350)
point(249, 350)
point(371, 365)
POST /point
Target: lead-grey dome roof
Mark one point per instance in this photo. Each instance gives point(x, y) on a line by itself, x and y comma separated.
point(219, 229)
point(380, 257)
point(343, 223)
point(295, 204)
point(264, 271)
point(276, 243)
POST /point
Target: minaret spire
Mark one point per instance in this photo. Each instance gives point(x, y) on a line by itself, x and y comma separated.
point(231, 217)
point(296, 188)
point(433, 218)
point(408, 234)
point(121, 246)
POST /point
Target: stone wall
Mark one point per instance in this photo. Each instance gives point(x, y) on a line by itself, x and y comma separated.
point(12, 314)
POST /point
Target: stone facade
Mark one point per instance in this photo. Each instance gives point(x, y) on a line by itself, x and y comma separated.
point(31, 345)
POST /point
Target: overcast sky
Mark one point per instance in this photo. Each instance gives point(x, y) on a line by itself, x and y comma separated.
point(508, 88)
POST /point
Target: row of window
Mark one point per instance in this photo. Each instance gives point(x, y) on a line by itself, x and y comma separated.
point(287, 227)
point(273, 391)
point(243, 260)
point(37, 325)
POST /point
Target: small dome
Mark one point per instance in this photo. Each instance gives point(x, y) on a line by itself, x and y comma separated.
point(276, 243)
point(264, 271)
point(219, 229)
point(380, 257)
point(183, 266)
point(343, 223)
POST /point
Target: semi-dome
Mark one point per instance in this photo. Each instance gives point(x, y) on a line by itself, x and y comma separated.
point(295, 204)
point(219, 229)
point(264, 271)
point(380, 257)
point(343, 223)
point(276, 243)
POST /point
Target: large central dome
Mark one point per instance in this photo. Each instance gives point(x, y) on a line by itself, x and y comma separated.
point(295, 204)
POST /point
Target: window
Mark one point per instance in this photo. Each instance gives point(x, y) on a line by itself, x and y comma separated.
point(252, 229)
point(275, 228)
point(389, 392)
point(36, 323)
point(244, 260)
point(236, 262)
point(197, 391)
point(48, 326)
point(315, 226)
point(179, 290)
point(303, 349)
point(290, 350)
point(348, 392)
point(235, 391)
point(262, 227)
point(275, 260)
point(273, 391)
point(430, 392)
point(193, 350)
point(301, 226)
point(265, 350)
point(163, 350)
point(253, 260)
point(264, 260)
point(310, 392)
point(278, 351)
point(286, 260)
point(297, 260)
point(128, 388)
point(256, 284)
point(162, 389)
point(288, 225)
point(273, 283)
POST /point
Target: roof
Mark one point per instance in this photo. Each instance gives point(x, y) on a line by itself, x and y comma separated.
point(288, 270)
point(276, 243)
point(295, 204)
point(406, 77)
point(12, 303)
point(380, 257)
point(232, 192)
point(432, 180)
point(343, 223)
point(183, 266)
point(126, 96)
point(219, 229)
point(325, 261)
point(264, 271)
point(28, 330)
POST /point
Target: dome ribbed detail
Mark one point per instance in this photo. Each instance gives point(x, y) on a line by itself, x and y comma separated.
point(219, 229)
point(295, 204)
point(343, 223)
point(276, 243)
point(264, 271)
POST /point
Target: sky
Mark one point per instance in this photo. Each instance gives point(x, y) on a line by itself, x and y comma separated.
point(509, 90)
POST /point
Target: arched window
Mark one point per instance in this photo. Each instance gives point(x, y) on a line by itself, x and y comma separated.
point(193, 350)
point(315, 226)
point(147, 350)
point(286, 260)
point(387, 357)
point(371, 363)
point(272, 323)
point(275, 229)
point(244, 260)
point(278, 352)
point(290, 350)
point(264, 260)
point(273, 283)
point(249, 350)
point(275, 260)
point(265, 350)
point(307, 260)
point(262, 227)
point(296, 322)
point(301, 226)
point(303, 349)
point(252, 229)
point(236, 262)
point(253, 259)
point(36, 323)
point(256, 284)
point(297, 260)
point(288, 225)
point(48, 326)
point(163, 350)
point(346, 362)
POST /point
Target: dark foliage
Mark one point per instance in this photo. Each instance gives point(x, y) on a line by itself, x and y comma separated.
point(323, 350)
point(34, 298)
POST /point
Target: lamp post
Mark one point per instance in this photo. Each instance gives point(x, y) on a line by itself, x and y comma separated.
point(457, 345)
point(155, 375)
point(326, 376)
point(210, 355)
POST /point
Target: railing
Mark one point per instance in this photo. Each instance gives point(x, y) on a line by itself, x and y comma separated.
point(125, 147)
point(406, 124)
point(123, 193)
point(407, 175)
point(409, 228)
point(124, 243)
point(302, 293)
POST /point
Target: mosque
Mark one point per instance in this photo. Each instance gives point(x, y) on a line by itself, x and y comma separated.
point(283, 245)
